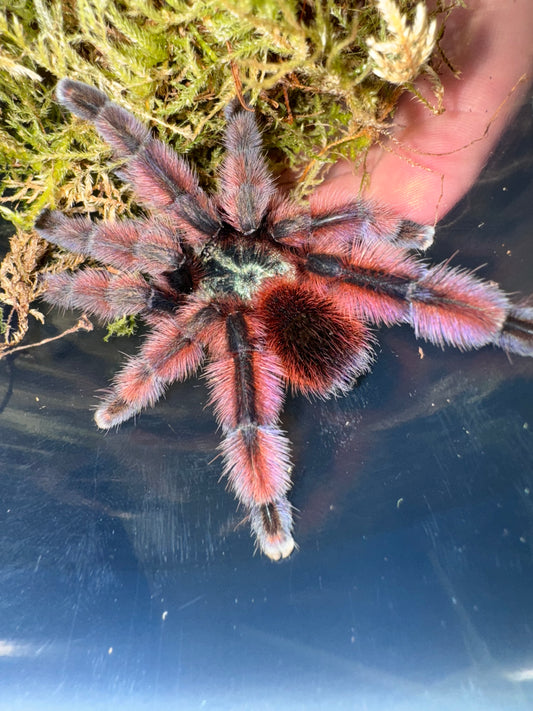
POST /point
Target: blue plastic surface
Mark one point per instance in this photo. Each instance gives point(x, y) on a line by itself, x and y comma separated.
point(127, 581)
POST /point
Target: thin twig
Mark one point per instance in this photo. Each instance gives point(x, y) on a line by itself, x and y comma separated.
point(83, 325)
point(237, 80)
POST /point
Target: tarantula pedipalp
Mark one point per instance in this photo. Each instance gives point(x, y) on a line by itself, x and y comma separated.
point(273, 293)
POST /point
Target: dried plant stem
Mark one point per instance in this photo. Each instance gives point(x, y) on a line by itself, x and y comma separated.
point(82, 325)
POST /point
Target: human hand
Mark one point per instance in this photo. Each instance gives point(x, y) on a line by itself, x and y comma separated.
point(432, 160)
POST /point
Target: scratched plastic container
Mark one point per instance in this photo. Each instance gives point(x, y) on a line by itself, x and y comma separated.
point(128, 582)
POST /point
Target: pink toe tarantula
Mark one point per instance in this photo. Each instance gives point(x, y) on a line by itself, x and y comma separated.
point(270, 292)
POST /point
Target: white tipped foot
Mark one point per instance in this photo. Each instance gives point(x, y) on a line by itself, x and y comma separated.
point(112, 413)
point(272, 525)
point(101, 419)
point(427, 233)
point(279, 548)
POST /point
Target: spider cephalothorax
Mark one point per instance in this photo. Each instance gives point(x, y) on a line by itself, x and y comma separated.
point(272, 293)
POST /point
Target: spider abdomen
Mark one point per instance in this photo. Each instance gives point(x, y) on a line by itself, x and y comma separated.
point(322, 350)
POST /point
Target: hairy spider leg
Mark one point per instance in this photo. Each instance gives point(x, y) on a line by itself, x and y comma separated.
point(443, 304)
point(131, 245)
point(368, 279)
point(246, 186)
point(172, 352)
point(108, 296)
point(339, 227)
point(160, 178)
point(99, 292)
point(517, 331)
point(450, 305)
point(246, 383)
point(367, 222)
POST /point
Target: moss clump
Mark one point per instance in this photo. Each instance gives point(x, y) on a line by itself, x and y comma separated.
point(124, 326)
point(312, 69)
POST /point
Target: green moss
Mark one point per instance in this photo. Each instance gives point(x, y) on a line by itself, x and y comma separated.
point(125, 326)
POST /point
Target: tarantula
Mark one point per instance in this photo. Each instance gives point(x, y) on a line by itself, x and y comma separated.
point(275, 294)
